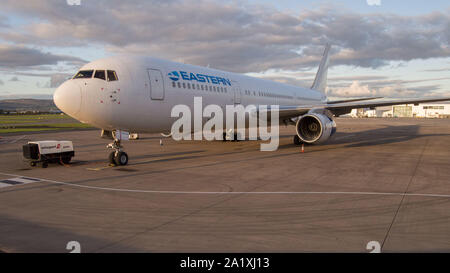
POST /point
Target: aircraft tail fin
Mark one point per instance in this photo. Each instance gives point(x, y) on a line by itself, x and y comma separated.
point(320, 82)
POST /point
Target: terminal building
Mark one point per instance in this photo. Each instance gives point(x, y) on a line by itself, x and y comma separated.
point(431, 110)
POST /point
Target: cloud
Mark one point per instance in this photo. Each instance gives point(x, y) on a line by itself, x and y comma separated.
point(232, 35)
point(354, 90)
point(57, 79)
point(1, 82)
point(14, 79)
point(21, 56)
point(437, 70)
point(359, 78)
point(398, 90)
point(374, 2)
point(378, 81)
point(3, 21)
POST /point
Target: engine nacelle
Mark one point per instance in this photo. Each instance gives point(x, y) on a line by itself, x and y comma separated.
point(315, 128)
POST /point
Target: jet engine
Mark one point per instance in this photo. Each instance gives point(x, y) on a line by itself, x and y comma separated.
point(315, 128)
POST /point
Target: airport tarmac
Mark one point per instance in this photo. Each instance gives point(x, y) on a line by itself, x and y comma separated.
point(384, 180)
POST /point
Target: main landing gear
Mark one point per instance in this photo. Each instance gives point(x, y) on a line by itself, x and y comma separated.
point(230, 136)
point(117, 157)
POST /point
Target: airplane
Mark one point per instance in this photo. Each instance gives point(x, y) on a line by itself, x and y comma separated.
point(136, 94)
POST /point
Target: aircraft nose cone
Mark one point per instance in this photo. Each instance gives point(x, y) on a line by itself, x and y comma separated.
point(68, 97)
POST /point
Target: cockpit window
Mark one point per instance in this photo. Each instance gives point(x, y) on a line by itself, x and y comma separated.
point(100, 74)
point(84, 74)
point(112, 76)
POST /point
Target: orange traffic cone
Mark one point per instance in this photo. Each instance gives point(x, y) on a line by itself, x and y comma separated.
point(303, 148)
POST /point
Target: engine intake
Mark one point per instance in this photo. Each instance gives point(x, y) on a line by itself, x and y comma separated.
point(315, 128)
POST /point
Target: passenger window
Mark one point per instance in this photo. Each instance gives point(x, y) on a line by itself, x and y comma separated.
point(179, 85)
point(193, 86)
point(189, 86)
point(210, 88)
point(184, 85)
point(100, 74)
point(112, 76)
point(84, 74)
point(174, 84)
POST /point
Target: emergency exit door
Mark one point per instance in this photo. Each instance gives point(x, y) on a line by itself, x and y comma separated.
point(237, 94)
point(156, 84)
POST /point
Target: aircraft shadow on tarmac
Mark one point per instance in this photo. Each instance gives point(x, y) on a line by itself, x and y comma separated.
point(380, 136)
point(372, 137)
point(50, 239)
point(147, 156)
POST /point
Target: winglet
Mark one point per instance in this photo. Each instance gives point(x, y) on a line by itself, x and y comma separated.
point(320, 82)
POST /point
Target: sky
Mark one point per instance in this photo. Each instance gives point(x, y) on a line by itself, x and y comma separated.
point(394, 49)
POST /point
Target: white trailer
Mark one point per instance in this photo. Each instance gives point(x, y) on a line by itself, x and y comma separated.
point(43, 152)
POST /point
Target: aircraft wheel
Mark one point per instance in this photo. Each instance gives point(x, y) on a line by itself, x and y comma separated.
point(111, 159)
point(121, 158)
point(66, 160)
point(44, 164)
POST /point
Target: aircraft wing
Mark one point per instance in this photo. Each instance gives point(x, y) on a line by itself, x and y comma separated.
point(346, 107)
point(352, 100)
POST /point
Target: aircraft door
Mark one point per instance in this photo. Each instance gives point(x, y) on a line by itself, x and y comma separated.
point(237, 94)
point(156, 84)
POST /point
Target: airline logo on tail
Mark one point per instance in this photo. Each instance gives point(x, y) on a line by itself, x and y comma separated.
point(175, 76)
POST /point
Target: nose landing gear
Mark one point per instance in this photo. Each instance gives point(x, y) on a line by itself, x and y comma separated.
point(117, 157)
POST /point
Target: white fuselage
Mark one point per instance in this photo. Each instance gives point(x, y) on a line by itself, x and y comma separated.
point(142, 98)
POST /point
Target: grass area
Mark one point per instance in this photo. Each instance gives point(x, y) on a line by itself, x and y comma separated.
point(38, 116)
point(36, 123)
point(9, 119)
point(13, 121)
point(43, 127)
point(17, 130)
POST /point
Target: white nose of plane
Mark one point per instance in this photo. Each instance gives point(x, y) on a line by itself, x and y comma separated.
point(68, 97)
